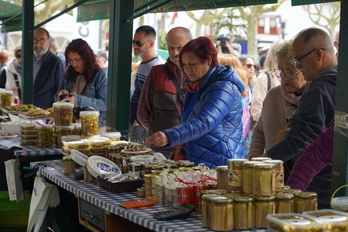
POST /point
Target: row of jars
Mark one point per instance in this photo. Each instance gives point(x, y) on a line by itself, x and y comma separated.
point(224, 212)
point(63, 116)
point(261, 176)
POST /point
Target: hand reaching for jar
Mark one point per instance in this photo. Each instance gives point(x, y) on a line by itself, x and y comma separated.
point(159, 139)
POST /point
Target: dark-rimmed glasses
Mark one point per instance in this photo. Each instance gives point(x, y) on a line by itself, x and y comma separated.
point(289, 73)
point(40, 41)
point(250, 65)
point(298, 60)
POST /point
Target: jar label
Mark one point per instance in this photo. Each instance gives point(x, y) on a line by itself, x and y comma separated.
point(279, 180)
point(235, 178)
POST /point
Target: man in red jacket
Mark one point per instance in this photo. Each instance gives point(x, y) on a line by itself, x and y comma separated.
point(161, 100)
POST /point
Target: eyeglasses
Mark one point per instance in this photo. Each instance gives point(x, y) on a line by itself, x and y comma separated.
point(138, 43)
point(250, 65)
point(298, 60)
point(40, 41)
point(18, 56)
point(289, 73)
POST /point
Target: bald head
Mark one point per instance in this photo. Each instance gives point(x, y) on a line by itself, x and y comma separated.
point(176, 39)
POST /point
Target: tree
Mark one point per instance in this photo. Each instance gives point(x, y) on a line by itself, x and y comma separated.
point(206, 18)
point(47, 9)
point(317, 13)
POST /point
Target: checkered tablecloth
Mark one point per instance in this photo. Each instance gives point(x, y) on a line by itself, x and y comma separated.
point(91, 192)
point(29, 151)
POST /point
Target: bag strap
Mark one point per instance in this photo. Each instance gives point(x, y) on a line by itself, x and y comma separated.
point(17, 84)
point(268, 81)
point(179, 91)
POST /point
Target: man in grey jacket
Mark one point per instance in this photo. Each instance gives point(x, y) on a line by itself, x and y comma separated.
point(314, 56)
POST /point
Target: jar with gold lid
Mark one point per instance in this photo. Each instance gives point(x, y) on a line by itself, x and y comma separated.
point(292, 191)
point(248, 169)
point(305, 201)
point(243, 213)
point(235, 173)
point(285, 203)
point(221, 213)
point(206, 209)
point(263, 181)
point(260, 159)
point(263, 207)
point(221, 172)
point(69, 165)
point(278, 175)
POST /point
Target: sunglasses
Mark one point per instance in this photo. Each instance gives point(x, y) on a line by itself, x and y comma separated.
point(250, 65)
point(138, 43)
point(18, 56)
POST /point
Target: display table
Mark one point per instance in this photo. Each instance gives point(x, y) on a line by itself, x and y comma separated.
point(92, 193)
point(29, 151)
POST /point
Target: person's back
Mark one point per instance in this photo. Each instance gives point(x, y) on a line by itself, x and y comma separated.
point(143, 45)
point(315, 55)
point(161, 103)
point(48, 70)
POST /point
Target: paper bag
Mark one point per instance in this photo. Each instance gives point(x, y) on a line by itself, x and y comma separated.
point(14, 180)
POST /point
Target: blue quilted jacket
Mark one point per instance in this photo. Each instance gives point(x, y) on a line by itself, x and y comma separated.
point(213, 132)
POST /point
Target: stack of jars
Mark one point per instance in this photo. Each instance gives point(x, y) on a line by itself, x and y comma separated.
point(63, 116)
point(260, 183)
point(28, 134)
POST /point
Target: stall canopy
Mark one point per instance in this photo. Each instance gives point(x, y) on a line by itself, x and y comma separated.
point(8, 16)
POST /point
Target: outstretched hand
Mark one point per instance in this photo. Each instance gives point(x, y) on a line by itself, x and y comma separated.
point(158, 139)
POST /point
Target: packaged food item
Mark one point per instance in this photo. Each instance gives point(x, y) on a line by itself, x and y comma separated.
point(29, 142)
point(264, 180)
point(206, 209)
point(278, 175)
point(100, 142)
point(235, 174)
point(293, 222)
point(87, 176)
point(285, 203)
point(29, 132)
point(28, 126)
point(44, 135)
point(243, 213)
point(340, 203)
point(69, 165)
point(77, 129)
point(75, 144)
point(248, 170)
point(63, 113)
point(114, 136)
point(222, 172)
point(263, 207)
point(335, 220)
point(306, 201)
point(89, 122)
point(63, 131)
point(221, 214)
point(6, 98)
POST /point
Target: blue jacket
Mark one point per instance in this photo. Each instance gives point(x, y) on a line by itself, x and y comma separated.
point(94, 95)
point(213, 132)
point(47, 80)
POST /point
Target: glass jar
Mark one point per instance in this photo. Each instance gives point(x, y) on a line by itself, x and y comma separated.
point(248, 169)
point(89, 122)
point(263, 181)
point(206, 209)
point(221, 214)
point(235, 173)
point(44, 135)
point(285, 203)
point(260, 159)
point(306, 201)
point(222, 176)
point(87, 176)
point(63, 113)
point(292, 191)
point(6, 98)
point(279, 174)
point(63, 131)
point(263, 207)
point(243, 213)
point(69, 165)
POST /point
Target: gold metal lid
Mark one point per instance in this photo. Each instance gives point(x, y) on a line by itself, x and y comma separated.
point(221, 199)
point(284, 196)
point(243, 199)
point(306, 194)
point(222, 168)
point(263, 166)
point(251, 163)
point(260, 159)
point(271, 198)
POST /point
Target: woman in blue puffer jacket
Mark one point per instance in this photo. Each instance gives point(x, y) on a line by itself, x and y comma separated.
point(212, 115)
